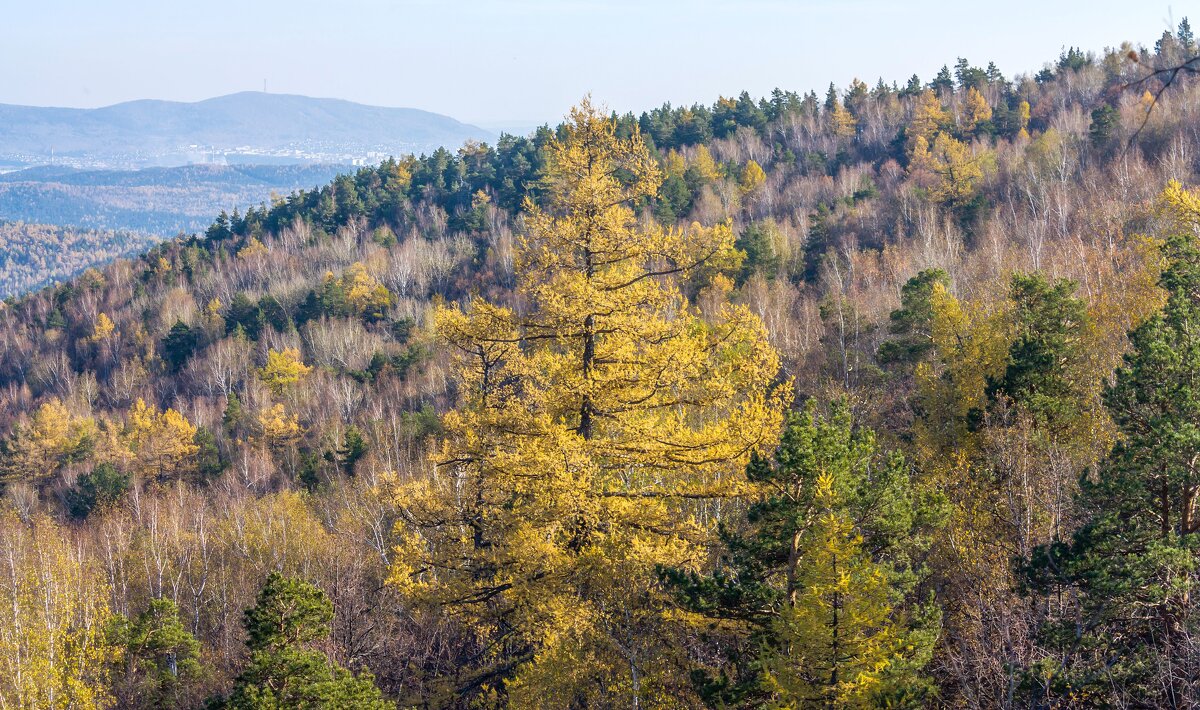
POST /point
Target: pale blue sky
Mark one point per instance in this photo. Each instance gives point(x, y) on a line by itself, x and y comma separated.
point(528, 60)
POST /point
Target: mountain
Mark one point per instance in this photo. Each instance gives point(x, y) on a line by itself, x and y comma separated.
point(244, 127)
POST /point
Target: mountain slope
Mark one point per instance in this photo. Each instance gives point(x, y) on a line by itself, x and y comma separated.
point(152, 132)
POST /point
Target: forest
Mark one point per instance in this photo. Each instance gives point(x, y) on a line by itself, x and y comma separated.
point(882, 398)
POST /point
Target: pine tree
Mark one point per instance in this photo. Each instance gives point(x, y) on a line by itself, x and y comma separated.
point(811, 592)
point(1127, 581)
point(283, 671)
point(160, 659)
point(912, 323)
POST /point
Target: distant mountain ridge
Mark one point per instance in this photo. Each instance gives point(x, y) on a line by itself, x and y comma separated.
point(234, 128)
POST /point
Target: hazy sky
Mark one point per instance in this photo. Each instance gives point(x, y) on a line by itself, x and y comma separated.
point(528, 60)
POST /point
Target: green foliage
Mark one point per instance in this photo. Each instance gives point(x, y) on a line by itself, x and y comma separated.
point(245, 314)
point(1105, 123)
point(283, 671)
point(912, 323)
point(179, 345)
point(1130, 572)
point(104, 486)
point(1042, 374)
point(160, 660)
point(833, 509)
point(353, 448)
point(758, 240)
point(209, 462)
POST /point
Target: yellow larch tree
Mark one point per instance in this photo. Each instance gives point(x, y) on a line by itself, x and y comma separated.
point(957, 170)
point(595, 429)
point(928, 117)
point(282, 370)
point(752, 178)
point(843, 123)
point(276, 429)
point(838, 639)
point(158, 444)
point(1023, 115)
point(976, 111)
point(52, 437)
point(704, 164)
point(102, 329)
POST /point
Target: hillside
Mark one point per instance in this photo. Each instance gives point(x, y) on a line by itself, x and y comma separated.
point(161, 201)
point(248, 127)
point(34, 255)
point(878, 398)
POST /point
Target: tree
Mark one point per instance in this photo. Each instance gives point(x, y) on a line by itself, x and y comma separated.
point(52, 438)
point(101, 488)
point(353, 448)
point(158, 444)
point(956, 169)
point(1105, 122)
point(752, 178)
point(591, 427)
point(760, 242)
point(943, 83)
point(1128, 578)
point(928, 118)
point(977, 114)
point(283, 671)
point(1185, 35)
point(282, 370)
point(841, 121)
point(1042, 375)
point(1023, 120)
point(913, 321)
point(814, 590)
point(160, 659)
point(178, 346)
point(54, 652)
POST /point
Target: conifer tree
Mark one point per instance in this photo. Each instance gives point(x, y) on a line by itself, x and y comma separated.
point(593, 428)
point(1119, 630)
point(812, 592)
point(283, 671)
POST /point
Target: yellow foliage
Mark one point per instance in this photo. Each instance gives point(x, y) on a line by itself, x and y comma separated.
point(52, 437)
point(752, 178)
point(928, 117)
point(102, 329)
point(53, 611)
point(1023, 119)
point(704, 164)
point(970, 344)
point(976, 111)
point(159, 445)
point(278, 429)
point(593, 431)
point(362, 293)
point(958, 171)
point(674, 164)
point(252, 249)
point(838, 639)
point(843, 123)
point(283, 369)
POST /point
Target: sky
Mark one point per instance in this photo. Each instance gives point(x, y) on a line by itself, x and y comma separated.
point(526, 61)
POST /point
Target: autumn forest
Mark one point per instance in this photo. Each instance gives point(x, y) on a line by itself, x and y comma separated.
point(882, 397)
